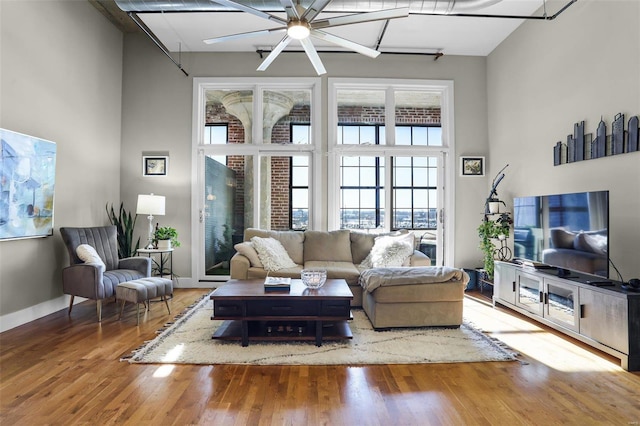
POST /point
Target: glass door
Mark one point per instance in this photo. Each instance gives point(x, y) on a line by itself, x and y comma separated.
point(529, 292)
point(223, 214)
point(253, 154)
point(561, 304)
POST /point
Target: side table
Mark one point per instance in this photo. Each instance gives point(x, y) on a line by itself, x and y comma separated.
point(166, 255)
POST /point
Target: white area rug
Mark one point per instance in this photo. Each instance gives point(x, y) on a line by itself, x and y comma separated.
point(188, 341)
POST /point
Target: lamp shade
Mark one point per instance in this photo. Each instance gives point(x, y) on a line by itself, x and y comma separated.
point(150, 204)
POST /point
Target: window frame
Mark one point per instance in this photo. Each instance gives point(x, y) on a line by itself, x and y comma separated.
point(446, 173)
point(256, 149)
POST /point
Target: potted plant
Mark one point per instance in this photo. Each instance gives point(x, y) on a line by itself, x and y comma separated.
point(125, 222)
point(488, 231)
point(166, 237)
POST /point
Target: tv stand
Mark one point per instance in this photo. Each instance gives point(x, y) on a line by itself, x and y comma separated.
point(594, 310)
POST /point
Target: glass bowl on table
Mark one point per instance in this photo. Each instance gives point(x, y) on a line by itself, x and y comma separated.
point(313, 277)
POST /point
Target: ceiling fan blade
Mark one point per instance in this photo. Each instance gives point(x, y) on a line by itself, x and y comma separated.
point(250, 10)
point(401, 12)
point(290, 7)
point(274, 53)
point(313, 56)
point(343, 42)
point(316, 7)
point(242, 35)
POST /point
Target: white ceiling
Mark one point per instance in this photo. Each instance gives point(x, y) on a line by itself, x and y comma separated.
point(450, 35)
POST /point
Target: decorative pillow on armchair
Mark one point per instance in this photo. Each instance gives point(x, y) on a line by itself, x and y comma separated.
point(390, 251)
point(88, 254)
point(272, 254)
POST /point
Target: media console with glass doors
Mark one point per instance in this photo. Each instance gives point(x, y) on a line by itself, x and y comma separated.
point(596, 311)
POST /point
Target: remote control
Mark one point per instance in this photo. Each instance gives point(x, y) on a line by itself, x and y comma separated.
point(601, 283)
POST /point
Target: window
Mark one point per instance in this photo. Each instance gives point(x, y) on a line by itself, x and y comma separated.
point(254, 142)
point(361, 192)
point(414, 201)
point(415, 192)
point(216, 134)
point(299, 193)
point(389, 159)
point(419, 135)
point(261, 161)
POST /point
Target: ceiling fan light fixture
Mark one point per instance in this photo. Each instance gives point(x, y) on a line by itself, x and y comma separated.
point(298, 30)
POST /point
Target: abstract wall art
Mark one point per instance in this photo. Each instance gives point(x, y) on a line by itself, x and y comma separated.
point(27, 182)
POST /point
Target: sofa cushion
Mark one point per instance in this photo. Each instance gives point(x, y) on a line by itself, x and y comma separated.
point(361, 245)
point(449, 291)
point(246, 249)
point(272, 254)
point(292, 241)
point(328, 246)
point(258, 273)
point(345, 270)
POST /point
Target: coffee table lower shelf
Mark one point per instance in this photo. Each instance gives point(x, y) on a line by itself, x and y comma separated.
point(268, 330)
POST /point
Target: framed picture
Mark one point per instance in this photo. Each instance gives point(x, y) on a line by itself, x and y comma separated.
point(155, 166)
point(472, 166)
point(27, 184)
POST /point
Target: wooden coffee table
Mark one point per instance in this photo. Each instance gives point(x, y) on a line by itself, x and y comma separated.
point(297, 314)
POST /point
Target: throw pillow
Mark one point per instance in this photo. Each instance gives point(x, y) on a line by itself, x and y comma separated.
point(390, 251)
point(88, 254)
point(292, 241)
point(246, 249)
point(272, 254)
point(362, 243)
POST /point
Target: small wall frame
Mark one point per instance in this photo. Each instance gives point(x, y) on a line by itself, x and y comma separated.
point(472, 166)
point(155, 165)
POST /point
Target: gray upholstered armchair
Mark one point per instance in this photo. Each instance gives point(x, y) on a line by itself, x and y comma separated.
point(88, 279)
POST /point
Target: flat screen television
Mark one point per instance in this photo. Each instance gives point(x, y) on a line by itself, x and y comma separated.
point(568, 231)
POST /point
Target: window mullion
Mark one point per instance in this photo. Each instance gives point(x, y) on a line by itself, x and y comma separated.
point(390, 116)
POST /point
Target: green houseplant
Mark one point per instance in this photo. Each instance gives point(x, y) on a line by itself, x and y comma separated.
point(125, 223)
point(167, 233)
point(488, 231)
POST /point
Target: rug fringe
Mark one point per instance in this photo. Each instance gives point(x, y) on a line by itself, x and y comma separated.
point(515, 354)
point(129, 357)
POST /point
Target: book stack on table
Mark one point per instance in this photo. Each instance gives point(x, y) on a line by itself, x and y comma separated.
point(277, 284)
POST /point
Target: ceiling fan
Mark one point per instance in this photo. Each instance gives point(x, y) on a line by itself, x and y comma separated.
point(301, 24)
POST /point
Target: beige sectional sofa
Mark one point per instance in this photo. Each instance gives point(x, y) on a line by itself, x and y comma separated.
point(339, 252)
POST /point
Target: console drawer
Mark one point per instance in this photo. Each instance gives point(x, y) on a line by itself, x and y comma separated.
point(227, 308)
point(282, 308)
point(335, 308)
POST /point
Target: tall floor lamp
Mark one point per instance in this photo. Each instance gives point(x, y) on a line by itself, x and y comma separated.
point(150, 204)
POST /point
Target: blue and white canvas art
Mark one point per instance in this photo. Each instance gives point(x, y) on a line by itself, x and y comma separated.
point(27, 182)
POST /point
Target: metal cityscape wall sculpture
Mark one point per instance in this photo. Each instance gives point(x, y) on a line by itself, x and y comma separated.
point(581, 146)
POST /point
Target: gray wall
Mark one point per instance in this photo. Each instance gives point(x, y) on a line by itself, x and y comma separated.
point(157, 105)
point(549, 75)
point(61, 80)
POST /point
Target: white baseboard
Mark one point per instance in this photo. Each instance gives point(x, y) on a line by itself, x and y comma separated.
point(23, 316)
point(188, 282)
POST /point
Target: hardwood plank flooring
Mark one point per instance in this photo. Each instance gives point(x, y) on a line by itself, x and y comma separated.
point(66, 370)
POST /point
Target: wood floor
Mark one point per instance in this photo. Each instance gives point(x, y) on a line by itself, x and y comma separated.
point(66, 370)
